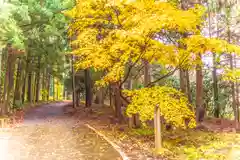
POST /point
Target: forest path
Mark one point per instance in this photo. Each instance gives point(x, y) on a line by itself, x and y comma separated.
point(49, 134)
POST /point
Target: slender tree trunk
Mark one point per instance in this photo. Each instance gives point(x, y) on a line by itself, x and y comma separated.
point(25, 78)
point(232, 83)
point(182, 81)
point(43, 85)
point(6, 84)
point(88, 87)
point(38, 80)
point(73, 84)
point(118, 102)
point(233, 93)
point(99, 97)
point(146, 74)
point(199, 92)
point(53, 86)
point(111, 96)
point(11, 81)
point(48, 85)
point(130, 119)
point(29, 88)
point(189, 94)
point(17, 92)
point(215, 89)
point(214, 72)
point(237, 92)
point(1, 74)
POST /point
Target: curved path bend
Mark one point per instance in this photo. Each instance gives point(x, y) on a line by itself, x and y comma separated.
point(48, 134)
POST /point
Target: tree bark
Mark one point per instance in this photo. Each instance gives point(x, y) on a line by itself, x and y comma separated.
point(88, 86)
point(118, 102)
point(182, 81)
point(29, 90)
point(1, 74)
point(73, 83)
point(53, 87)
point(25, 77)
point(131, 118)
point(235, 109)
point(6, 84)
point(189, 94)
point(38, 80)
point(17, 92)
point(215, 89)
point(111, 96)
point(199, 92)
point(99, 97)
point(48, 84)
point(11, 69)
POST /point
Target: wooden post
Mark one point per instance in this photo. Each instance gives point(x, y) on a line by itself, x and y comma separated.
point(157, 129)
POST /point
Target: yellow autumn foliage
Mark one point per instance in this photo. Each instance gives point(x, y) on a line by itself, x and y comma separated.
point(174, 106)
point(109, 35)
point(231, 75)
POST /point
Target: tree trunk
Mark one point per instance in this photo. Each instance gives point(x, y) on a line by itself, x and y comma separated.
point(233, 94)
point(88, 87)
point(199, 92)
point(29, 90)
point(34, 87)
point(182, 81)
point(235, 109)
point(111, 96)
point(43, 85)
point(6, 84)
point(48, 85)
point(215, 89)
point(237, 91)
point(214, 72)
point(38, 80)
point(146, 73)
point(99, 96)
point(73, 84)
point(1, 74)
point(11, 81)
point(189, 94)
point(78, 98)
point(118, 102)
point(17, 92)
point(25, 78)
point(130, 119)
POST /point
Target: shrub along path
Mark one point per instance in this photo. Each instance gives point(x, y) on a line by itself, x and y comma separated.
point(49, 134)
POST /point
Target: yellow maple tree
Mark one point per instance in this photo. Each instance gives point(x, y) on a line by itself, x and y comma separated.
point(111, 36)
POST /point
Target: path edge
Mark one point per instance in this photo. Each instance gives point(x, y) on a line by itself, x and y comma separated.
point(115, 146)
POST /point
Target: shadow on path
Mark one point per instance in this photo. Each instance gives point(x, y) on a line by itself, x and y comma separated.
point(48, 134)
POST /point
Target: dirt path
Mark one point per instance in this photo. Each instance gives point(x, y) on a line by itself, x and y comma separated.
point(48, 134)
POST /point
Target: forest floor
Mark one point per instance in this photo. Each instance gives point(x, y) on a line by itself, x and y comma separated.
point(47, 133)
point(219, 141)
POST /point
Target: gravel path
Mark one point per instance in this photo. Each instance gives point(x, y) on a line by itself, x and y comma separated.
point(48, 134)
